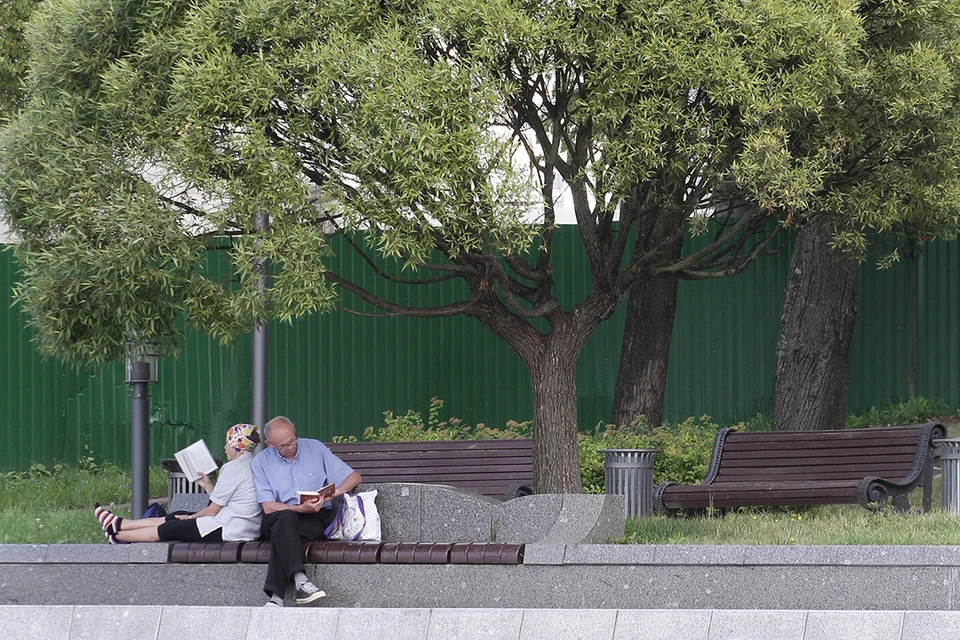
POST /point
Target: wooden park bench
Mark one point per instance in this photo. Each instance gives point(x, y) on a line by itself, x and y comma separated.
point(789, 468)
point(500, 469)
point(340, 552)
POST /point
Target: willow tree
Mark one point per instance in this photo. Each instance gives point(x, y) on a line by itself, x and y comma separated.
point(13, 54)
point(435, 133)
point(896, 177)
point(894, 133)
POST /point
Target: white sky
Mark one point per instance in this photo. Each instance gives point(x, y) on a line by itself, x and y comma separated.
point(564, 213)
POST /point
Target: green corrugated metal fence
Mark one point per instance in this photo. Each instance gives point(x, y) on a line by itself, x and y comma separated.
point(335, 374)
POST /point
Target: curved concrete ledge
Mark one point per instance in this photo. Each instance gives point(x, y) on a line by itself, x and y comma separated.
point(437, 513)
point(241, 623)
point(560, 519)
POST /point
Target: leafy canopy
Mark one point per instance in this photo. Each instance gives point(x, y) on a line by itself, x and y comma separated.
point(899, 125)
point(13, 53)
point(158, 129)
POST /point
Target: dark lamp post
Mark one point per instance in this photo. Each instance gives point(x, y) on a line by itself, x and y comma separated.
point(142, 360)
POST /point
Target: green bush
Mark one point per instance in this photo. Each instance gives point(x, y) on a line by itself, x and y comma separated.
point(411, 427)
point(911, 411)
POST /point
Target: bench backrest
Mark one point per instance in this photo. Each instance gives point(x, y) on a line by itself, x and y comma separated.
point(487, 467)
point(894, 453)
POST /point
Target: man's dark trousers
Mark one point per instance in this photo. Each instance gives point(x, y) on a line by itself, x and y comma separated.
point(286, 530)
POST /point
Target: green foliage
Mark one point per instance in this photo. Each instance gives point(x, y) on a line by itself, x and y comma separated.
point(759, 422)
point(910, 411)
point(13, 53)
point(899, 124)
point(411, 427)
point(155, 130)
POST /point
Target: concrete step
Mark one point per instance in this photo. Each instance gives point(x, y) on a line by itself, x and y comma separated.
point(28, 622)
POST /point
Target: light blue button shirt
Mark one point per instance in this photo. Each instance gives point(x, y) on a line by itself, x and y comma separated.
point(278, 479)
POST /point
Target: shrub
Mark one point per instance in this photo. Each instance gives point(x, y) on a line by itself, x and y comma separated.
point(910, 411)
point(410, 426)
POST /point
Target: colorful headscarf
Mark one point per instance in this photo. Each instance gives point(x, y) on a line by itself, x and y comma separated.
point(243, 437)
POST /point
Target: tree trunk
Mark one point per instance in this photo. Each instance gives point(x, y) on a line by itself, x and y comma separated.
point(551, 360)
point(816, 331)
point(556, 453)
point(913, 258)
point(651, 308)
point(645, 351)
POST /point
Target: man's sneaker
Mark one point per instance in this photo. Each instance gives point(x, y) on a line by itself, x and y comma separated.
point(308, 592)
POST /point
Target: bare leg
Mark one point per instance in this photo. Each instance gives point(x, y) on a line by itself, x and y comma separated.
point(142, 523)
point(142, 534)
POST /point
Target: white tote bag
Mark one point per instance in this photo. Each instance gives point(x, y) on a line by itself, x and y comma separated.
point(357, 518)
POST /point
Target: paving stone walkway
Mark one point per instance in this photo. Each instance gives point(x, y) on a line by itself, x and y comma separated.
point(28, 622)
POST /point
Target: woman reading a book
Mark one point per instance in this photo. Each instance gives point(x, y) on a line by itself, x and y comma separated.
point(233, 514)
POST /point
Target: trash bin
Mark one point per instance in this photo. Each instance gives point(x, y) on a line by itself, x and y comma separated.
point(630, 472)
point(177, 480)
point(950, 473)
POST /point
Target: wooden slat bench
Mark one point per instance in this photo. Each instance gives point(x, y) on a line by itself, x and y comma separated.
point(339, 552)
point(788, 468)
point(496, 468)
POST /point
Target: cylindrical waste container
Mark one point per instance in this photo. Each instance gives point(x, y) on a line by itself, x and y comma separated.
point(950, 473)
point(630, 472)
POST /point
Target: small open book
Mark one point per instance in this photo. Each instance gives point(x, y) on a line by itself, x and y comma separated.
point(324, 492)
point(195, 459)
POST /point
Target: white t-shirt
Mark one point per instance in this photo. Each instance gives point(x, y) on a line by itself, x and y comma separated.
point(240, 512)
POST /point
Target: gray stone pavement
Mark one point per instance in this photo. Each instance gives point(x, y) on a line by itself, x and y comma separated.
point(65, 622)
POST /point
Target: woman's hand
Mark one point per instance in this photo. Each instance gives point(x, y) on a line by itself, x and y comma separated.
point(205, 482)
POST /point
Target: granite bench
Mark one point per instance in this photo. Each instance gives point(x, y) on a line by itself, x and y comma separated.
point(425, 524)
point(436, 513)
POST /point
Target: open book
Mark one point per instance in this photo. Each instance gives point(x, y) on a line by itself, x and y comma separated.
point(195, 459)
point(324, 492)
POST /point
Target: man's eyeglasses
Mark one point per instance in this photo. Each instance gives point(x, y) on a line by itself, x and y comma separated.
point(286, 445)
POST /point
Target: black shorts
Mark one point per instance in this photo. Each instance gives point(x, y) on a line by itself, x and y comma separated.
point(185, 530)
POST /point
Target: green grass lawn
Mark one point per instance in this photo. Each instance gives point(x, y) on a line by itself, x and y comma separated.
point(47, 508)
point(830, 524)
point(43, 506)
point(848, 524)
point(52, 506)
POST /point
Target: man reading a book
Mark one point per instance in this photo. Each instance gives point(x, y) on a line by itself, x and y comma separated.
point(288, 465)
